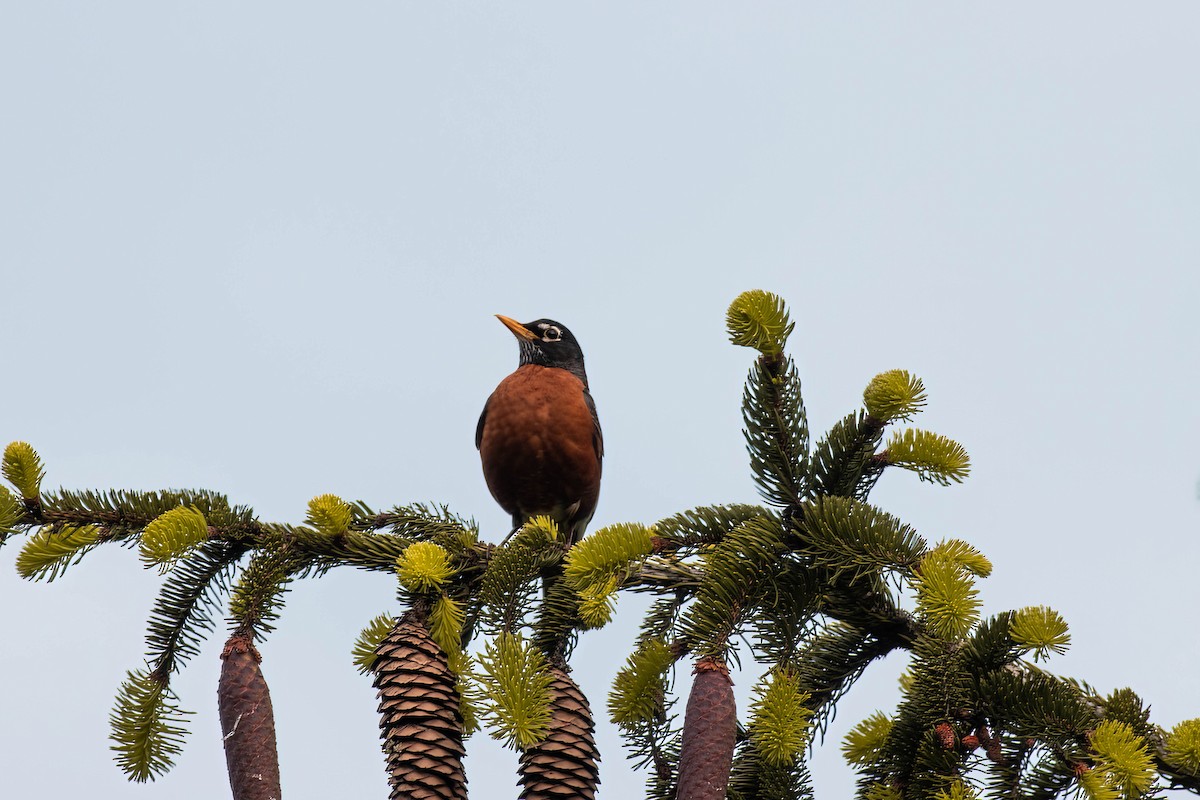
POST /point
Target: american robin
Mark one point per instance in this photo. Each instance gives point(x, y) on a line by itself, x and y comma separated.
point(539, 437)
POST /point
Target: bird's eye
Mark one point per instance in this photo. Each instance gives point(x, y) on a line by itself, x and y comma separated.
point(551, 334)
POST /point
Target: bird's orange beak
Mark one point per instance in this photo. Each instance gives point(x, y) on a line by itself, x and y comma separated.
point(519, 330)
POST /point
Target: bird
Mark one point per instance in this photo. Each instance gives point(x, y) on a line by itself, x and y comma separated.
point(539, 436)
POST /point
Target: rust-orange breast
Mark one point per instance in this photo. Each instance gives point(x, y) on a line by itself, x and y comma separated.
point(540, 446)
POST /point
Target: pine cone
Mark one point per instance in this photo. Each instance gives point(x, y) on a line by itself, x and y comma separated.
point(995, 751)
point(419, 715)
point(247, 723)
point(709, 732)
point(970, 742)
point(945, 735)
point(563, 765)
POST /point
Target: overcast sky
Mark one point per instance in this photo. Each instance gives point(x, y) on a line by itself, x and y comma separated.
point(257, 248)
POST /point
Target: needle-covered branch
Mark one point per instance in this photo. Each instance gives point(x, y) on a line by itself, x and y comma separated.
point(808, 590)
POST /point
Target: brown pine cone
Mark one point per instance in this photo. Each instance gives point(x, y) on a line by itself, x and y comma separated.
point(709, 733)
point(419, 715)
point(564, 764)
point(994, 751)
point(247, 723)
point(945, 735)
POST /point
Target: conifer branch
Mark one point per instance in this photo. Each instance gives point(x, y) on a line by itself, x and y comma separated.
point(1181, 752)
point(844, 536)
point(122, 515)
point(559, 617)
point(446, 619)
point(638, 693)
point(776, 431)
point(1176, 777)
point(864, 744)
point(607, 554)
point(738, 573)
point(647, 724)
point(329, 514)
point(1033, 704)
point(991, 646)
point(816, 585)
point(257, 598)
point(946, 595)
point(433, 523)
point(423, 567)
point(704, 525)
point(514, 690)
point(595, 566)
point(778, 727)
point(869, 607)
point(759, 319)
point(1040, 629)
point(841, 463)
point(509, 584)
point(22, 467)
point(894, 395)
point(965, 556)
point(182, 615)
point(753, 778)
point(1120, 759)
point(147, 726)
point(171, 534)
point(787, 620)
point(831, 662)
point(53, 549)
point(934, 458)
point(12, 512)
point(921, 750)
point(664, 576)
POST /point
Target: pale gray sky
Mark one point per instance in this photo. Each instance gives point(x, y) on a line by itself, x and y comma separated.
point(257, 248)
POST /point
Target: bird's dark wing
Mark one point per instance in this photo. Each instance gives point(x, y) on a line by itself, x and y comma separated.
point(597, 435)
point(482, 417)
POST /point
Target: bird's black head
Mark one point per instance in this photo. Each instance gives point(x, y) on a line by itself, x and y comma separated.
point(549, 344)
